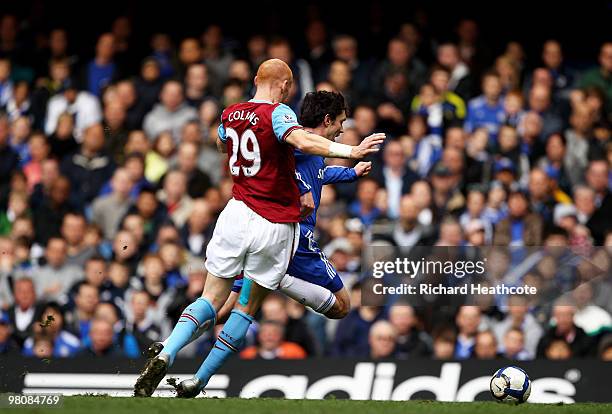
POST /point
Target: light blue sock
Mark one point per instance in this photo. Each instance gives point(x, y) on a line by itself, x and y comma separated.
point(194, 316)
point(229, 341)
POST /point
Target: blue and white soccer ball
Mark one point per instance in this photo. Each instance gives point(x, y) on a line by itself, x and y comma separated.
point(510, 385)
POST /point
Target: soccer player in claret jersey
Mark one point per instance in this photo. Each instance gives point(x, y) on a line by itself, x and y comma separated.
point(257, 232)
point(311, 279)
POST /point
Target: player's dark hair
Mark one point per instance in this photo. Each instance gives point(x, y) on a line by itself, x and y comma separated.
point(318, 104)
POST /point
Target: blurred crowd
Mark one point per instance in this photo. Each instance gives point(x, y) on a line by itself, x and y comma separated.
point(110, 185)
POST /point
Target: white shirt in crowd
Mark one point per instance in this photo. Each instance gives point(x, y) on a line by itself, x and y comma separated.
point(85, 110)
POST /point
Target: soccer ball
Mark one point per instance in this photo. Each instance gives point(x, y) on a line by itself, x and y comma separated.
point(510, 385)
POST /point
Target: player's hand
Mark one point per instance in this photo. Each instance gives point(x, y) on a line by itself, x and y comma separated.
point(363, 168)
point(368, 146)
point(307, 205)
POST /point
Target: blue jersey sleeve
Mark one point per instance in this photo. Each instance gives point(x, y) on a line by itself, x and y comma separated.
point(284, 120)
point(338, 174)
point(302, 185)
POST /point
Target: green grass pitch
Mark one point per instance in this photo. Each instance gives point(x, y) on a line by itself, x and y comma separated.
point(112, 405)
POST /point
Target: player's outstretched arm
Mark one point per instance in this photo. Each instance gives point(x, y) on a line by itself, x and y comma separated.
point(317, 145)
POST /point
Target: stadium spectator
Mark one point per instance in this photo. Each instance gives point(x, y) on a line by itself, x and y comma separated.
point(187, 162)
point(591, 318)
point(8, 346)
point(89, 168)
point(108, 210)
point(558, 349)
point(197, 231)
point(461, 81)
point(8, 157)
point(364, 207)
point(115, 132)
point(82, 105)
point(147, 87)
point(539, 101)
point(274, 308)
point(141, 321)
point(563, 76)
point(485, 346)
point(215, 55)
point(78, 320)
point(408, 231)
point(410, 341)
point(468, 321)
point(446, 197)
point(382, 339)
point(394, 176)
point(25, 311)
point(486, 110)
point(175, 198)
point(51, 325)
point(600, 76)
point(43, 347)
point(351, 338)
point(514, 345)
point(170, 114)
point(272, 345)
point(400, 58)
point(444, 339)
point(102, 340)
point(6, 84)
point(519, 317)
point(597, 178)
point(53, 280)
point(520, 227)
point(346, 49)
point(196, 84)
point(172, 255)
point(73, 231)
point(303, 83)
point(101, 70)
point(564, 332)
point(95, 274)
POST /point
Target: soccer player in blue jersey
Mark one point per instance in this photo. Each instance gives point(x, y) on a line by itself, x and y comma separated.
point(311, 279)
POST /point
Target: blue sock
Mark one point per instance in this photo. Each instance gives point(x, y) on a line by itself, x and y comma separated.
point(193, 317)
point(229, 341)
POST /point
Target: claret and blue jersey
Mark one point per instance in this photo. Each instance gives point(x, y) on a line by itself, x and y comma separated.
point(261, 164)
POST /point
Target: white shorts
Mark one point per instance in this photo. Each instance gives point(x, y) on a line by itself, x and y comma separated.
point(243, 241)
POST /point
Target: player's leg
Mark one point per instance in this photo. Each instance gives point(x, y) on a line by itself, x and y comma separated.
point(230, 338)
point(342, 306)
point(200, 314)
point(334, 305)
point(222, 314)
point(224, 258)
point(311, 279)
point(265, 264)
